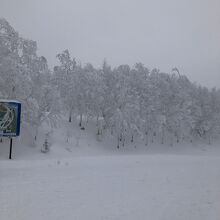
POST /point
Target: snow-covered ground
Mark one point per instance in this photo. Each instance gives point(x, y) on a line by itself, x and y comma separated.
point(86, 179)
point(111, 187)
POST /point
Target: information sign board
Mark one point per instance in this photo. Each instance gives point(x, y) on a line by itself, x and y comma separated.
point(10, 117)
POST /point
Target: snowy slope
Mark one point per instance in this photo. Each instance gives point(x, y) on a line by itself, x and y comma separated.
point(69, 141)
point(111, 187)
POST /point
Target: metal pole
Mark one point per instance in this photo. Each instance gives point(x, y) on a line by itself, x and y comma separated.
point(10, 152)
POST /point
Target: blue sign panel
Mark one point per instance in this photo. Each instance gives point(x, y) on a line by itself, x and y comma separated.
point(10, 118)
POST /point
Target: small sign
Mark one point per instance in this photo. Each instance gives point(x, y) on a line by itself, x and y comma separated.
point(10, 118)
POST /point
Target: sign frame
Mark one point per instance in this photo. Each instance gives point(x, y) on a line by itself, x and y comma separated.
point(10, 110)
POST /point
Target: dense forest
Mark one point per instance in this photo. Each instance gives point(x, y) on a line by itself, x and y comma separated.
point(128, 102)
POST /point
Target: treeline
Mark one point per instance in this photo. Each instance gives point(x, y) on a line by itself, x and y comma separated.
point(130, 103)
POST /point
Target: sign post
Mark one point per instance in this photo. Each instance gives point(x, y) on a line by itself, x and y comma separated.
point(10, 151)
point(10, 118)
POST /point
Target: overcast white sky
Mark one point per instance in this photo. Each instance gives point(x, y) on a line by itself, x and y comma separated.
point(159, 33)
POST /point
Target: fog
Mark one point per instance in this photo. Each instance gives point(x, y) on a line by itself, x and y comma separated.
point(163, 34)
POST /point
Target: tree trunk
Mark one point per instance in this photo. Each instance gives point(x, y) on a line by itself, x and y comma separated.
point(120, 137)
point(98, 132)
point(152, 138)
point(80, 121)
point(132, 138)
point(36, 134)
point(146, 138)
point(163, 134)
point(97, 121)
point(112, 131)
point(70, 118)
point(209, 139)
point(171, 140)
point(118, 142)
point(177, 137)
point(123, 141)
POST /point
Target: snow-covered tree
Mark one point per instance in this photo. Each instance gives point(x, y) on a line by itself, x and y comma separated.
point(64, 80)
point(128, 102)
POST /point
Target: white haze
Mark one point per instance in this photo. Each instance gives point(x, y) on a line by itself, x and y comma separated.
point(158, 33)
